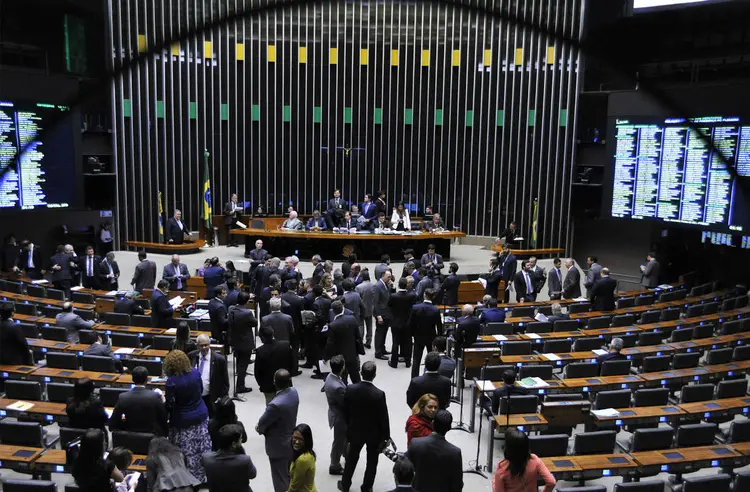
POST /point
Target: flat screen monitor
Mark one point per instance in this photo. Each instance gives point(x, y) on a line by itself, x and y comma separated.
point(649, 5)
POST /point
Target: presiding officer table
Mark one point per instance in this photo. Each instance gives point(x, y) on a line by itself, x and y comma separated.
point(367, 245)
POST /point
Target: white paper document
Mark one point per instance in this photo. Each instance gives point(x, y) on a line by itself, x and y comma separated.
point(241, 225)
point(77, 287)
point(482, 281)
point(533, 336)
point(533, 382)
point(124, 350)
point(500, 338)
point(551, 356)
point(541, 317)
point(42, 281)
point(111, 293)
point(485, 385)
point(176, 301)
point(581, 299)
point(606, 412)
point(599, 351)
point(171, 331)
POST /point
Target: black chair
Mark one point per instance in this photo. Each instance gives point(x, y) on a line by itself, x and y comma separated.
point(137, 442)
point(629, 341)
point(61, 360)
point(587, 343)
point(519, 404)
point(694, 311)
point(623, 320)
point(26, 308)
point(598, 322)
point(542, 371)
point(146, 304)
point(710, 308)
point(59, 392)
point(696, 291)
point(29, 486)
point(690, 435)
point(681, 335)
point(644, 300)
point(582, 307)
point(651, 439)
point(615, 368)
point(98, 363)
point(625, 302)
point(516, 348)
point(154, 367)
point(734, 388)
point(86, 314)
point(23, 434)
point(739, 431)
point(545, 310)
point(742, 481)
point(82, 297)
point(117, 319)
point(586, 488)
point(703, 331)
point(30, 330)
point(597, 442)
point(650, 486)
point(680, 294)
point(650, 397)
point(728, 304)
point(581, 370)
point(87, 336)
point(692, 393)
point(70, 434)
point(684, 361)
point(55, 333)
point(10, 286)
point(650, 338)
point(741, 302)
point(741, 352)
point(709, 483)
point(131, 340)
point(539, 327)
point(56, 294)
point(719, 356)
point(670, 314)
point(193, 324)
point(612, 399)
point(549, 445)
point(23, 390)
point(565, 325)
point(162, 342)
point(558, 346)
point(71, 487)
point(732, 327)
point(656, 363)
point(109, 396)
point(524, 311)
point(141, 320)
point(650, 317)
point(494, 373)
point(498, 329)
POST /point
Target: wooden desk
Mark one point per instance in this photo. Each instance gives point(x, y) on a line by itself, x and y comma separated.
point(640, 415)
point(137, 352)
point(499, 338)
point(527, 253)
point(186, 248)
point(126, 380)
point(520, 359)
point(20, 457)
point(634, 353)
point(46, 345)
point(562, 467)
point(557, 335)
point(602, 383)
point(475, 357)
point(53, 461)
point(43, 301)
point(703, 373)
point(631, 293)
point(610, 332)
point(473, 292)
point(525, 422)
point(606, 465)
point(716, 408)
point(685, 460)
point(566, 357)
point(16, 371)
point(42, 411)
point(49, 374)
point(652, 307)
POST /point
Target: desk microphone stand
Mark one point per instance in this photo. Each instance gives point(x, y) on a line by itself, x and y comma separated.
point(459, 384)
point(477, 469)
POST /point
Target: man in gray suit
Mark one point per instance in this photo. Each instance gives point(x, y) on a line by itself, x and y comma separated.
point(593, 275)
point(145, 273)
point(176, 274)
point(335, 388)
point(385, 264)
point(572, 282)
point(72, 322)
point(555, 280)
point(277, 425)
point(353, 302)
point(281, 324)
point(364, 289)
point(650, 272)
point(382, 312)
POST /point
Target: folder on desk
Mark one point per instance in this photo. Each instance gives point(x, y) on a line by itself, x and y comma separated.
point(551, 356)
point(21, 406)
point(541, 318)
point(485, 385)
point(124, 350)
point(171, 331)
point(533, 336)
point(600, 352)
point(176, 301)
point(533, 382)
point(606, 412)
point(500, 338)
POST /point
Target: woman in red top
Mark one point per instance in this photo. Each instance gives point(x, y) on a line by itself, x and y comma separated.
point(519, 471)
point(422, 414)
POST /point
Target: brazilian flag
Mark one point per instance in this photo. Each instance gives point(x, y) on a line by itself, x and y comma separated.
point(206, 211)
point(161, 219)
point(534, 223)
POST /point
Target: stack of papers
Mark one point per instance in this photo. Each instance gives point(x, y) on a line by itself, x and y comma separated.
point(171, 331)
point(482, 281)
point(77, 287)
point(665, 286)
point(551, 356)
point(533, 336)
point(21, 406)
point(176, 301)
point(606, 412)
point(581, 299)
point(241, 225)
point(485, 385)
point(600, 351)
point(111, 293)
point(541, 317)
point(124, 350)
point(42, 281)
point(500, 338)
point(533, 383)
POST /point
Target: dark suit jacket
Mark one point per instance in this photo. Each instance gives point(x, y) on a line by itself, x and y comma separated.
point(467, 331)
point(508, 266)
point(36, 256)
point(610, 356)
point(343, 333)
point(98, 349)
point(127, 306)
point(231, 298)
point(603, 294)
point(143, 411)
point(281, 324)
point(91, 282)
point(104, 281)
point(493, 283)
point(425, 321)
point(65, 272)
point(380, 301)
point(144, 276)
point(218, 376)
point(572, 283)
point(401, 304)
point(213, 277)
point(217, 313)
point(502, 392)
point(492, 315)
point(510, 236)
point(438, 464)
point(519, 283)
point(366, 414)
point(269, 358)
point(14, 349)
point(429, 382)
point(174, 232)
point(333, 208)
point(321, 223)
point(370, 212)
point(450, 290)
point(229, 216)
point(161, 311)
point(227, 471)
point(435, 264)
point(353, 301)
point(241, 321)
point(554, 284)
point(258, 256)
point(294, 306)
point(321, 306)
point(168, 274)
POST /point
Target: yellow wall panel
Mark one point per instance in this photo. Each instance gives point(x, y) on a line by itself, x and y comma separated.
point(333, 56)
point(425, 58)
point(271, 53)
point(142, 44)
point(487, 58)
point(519, 56)
point(364, 56)
point(176, 49)
point(394, 58)
point(239, 52)
point(456, 58)
point(302, 54)
point(550, 55)
point(208, 49)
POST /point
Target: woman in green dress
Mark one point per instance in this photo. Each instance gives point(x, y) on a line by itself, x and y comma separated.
point(302, 469)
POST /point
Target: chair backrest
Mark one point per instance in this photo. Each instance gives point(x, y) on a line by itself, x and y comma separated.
point(82, 297)
point(564, 397)
point(650, 317)
point(29, 486)
point(694, 311)
point(117, 318)
point(59, 392)
point(708, 483)
point(140, 320)
point(86, 314)
point(650, 486)
point(644, 300)
point(732, 327)
point(23, 390)
point(519, 404)
point(516, 348)
point(680, 294)
point(683, 361)
point(11, 286)
point(125, 340)
point(545, 310)
point(565, 325)
point(56, 333)
point(498, 329)
point(650, 397)
point(541, 371)
point(629, 341)
point(728, 304)
point(689, 435)
point(146, 303)
point(561, 345)
point(87, 336)
point(719, 356)
point(137, 442)
point(56, 294)
point(60, 360)
point(612, 399)
point(21, 433)
point(741, 352)
point(681, 335)
point(109, 396)
point(710, 308)
point(587, 488)
point(581, 370)
point(98, 363)
point(193, 324)
point(696, 392)
point(582, 307)
point(703, 331)
point(598, 322)
point(24, 308)
point(656, 363)
point(587, 343)
point(154, 367)
point(539, 327)
point(615, 368)
point(162, 342)
point(598, 442)
point(739, 431)
point(523, 311)
point(625, 302)
point(30, 330)
point(650, 338)
point(70, 434)
point(495, 373)
point(651, 439)
point(733, 388)
point(696, 291)
point(741, 302)
point(623, 320)
point(670, 314)
point(742, 481)
point(549, 446)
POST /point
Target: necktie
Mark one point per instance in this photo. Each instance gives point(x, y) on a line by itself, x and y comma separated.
point(202, 365)
point(90, 268)
point(559, 275)
point(177, 275)
point(31, 258)
point(528, 283)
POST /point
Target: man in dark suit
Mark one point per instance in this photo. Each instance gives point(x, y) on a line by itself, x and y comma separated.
point(14, 349)
point(615, 346)
point(321, 307)
point(468, 327)
point(524, 284)
point(109, 273)
point(100, 348)
point(241, 322)
point(382, 313)
point(425, 323)
point(434, 225)
point(30, 260)
point(281, 324)
point(367, 424)
point(89, 266)
point(509, 234)
point(493, 278)
point(555, 280)
point(508, 265)
point(343, 338)
point(335, 211)
point(438, 464)
point(401, 304)
point(292, 304)
point(348, 223)
point(258, 255)
point(61, 266)
point(572, 282)
point(650, 272)
point(335, 388)
point(316, 223)
point(269, 358)
point(369, 212)
point(557, 314)
point(144, 276)
point(232, 292)
point(140, 409)
point(319, 269)
point(430, 382)
point(450, 286)
point(212, 367)
point(217, 313)
point(447, 364)
point(403, 475)
point(603, 292)
point(161, 310)
point(214, 275)
point(176, 274)
point(539, 275)
point(176, 230)
point(353, 301)
point(232, 213)
point(491, 313)
point(507, 389)
point(432, 261)
point(593, 275)
point(127, 305)
point(229, 468)
point(290, 272)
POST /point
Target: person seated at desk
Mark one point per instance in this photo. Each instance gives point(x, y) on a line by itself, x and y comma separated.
point(557, 313)
point(72, 322)
point(14, 348)
point(92, 472)
point(316, 222)
point(434, 225)
point(491, 313)
point(292, 223)
point(127, 305)
point(356, 215)
point(182, 339)
point(102, 347)
point(348, 223)
point(400, 218)
point(468, 327)
point(615, 346)
point(428, 214)
point(507, 389)
point(382, 224)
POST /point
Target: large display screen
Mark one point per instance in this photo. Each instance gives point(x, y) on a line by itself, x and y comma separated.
point(659, 4)
point(44, 174)
point(663, 170)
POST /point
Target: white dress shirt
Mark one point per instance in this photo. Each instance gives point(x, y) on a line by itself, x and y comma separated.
point(206, 374)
